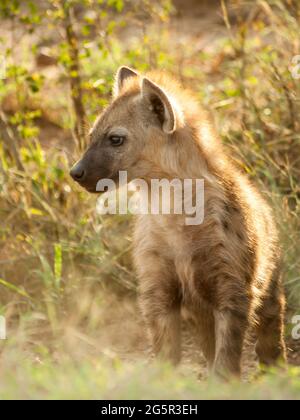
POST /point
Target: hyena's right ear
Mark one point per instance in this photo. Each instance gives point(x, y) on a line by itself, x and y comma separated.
point(166, 110)
point(123, 74)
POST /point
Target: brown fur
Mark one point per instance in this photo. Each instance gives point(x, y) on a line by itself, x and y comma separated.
point(225, 273)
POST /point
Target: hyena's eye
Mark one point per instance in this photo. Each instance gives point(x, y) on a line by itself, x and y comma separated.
point(116, 141)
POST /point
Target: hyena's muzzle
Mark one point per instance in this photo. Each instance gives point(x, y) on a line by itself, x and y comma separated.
point(92, 168)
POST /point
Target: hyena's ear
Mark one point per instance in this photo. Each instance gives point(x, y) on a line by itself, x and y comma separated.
point(123, 74)
point(162, 105)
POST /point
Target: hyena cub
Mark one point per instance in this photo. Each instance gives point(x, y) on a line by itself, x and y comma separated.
point(224, 273)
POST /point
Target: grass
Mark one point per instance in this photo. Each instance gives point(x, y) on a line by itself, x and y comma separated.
point(67, 286)
point(109, 378)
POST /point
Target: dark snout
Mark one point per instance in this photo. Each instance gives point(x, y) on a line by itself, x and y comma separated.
point(86, 176)
point(78, 172)
point(90, 169)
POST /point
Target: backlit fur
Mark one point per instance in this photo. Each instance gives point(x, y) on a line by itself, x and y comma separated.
point(225, 274)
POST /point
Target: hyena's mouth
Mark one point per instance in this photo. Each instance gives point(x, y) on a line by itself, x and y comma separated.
point(92, 190)
point(95, 190)
point(90, 181)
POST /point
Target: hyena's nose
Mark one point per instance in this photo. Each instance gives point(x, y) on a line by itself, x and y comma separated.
point(78, 172)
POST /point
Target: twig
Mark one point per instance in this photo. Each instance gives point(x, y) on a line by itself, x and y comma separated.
point(75, 76)
point(287, 93)
point(225, 15)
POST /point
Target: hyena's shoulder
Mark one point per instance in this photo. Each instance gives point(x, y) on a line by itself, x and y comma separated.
point(248, 219)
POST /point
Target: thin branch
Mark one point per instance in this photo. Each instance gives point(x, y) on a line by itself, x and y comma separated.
point(75, 76)
point(288, 96)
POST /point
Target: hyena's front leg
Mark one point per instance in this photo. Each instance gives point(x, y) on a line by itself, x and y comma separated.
point(160, 304)
point(205, 334)
point(231, 327)
point(165, 334)
point(271, 347)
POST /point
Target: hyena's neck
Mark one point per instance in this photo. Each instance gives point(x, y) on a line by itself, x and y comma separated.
point(183, 158)
point(192, 153)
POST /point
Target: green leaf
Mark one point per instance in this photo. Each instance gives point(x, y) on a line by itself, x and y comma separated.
point(36, 212)
point(57, 264)
point(14, 288)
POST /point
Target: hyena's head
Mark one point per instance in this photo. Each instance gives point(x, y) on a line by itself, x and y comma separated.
point(140, 116)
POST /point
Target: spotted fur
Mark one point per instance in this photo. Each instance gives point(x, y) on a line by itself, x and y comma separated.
point(225, 273)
